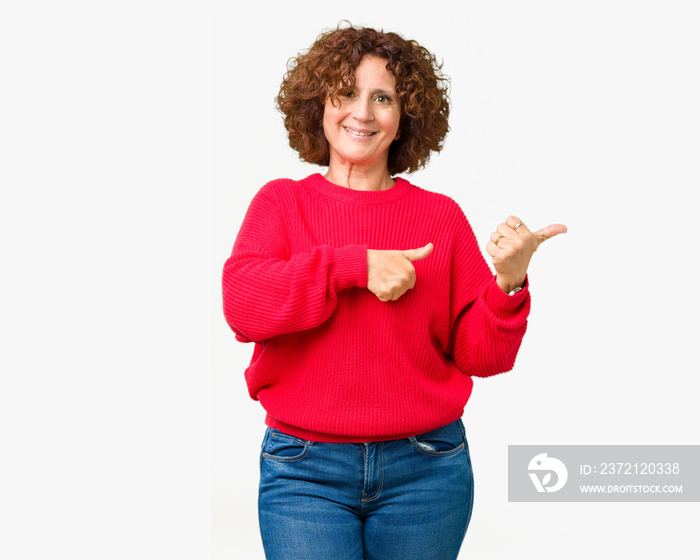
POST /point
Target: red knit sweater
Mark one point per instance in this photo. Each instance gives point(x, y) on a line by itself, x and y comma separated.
point(331, 361)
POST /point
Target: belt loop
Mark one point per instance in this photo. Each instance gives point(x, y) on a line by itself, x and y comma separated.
point(265, 437)
point(464, 431)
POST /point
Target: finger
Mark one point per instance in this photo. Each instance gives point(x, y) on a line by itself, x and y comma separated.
point(550, 231)
point(416, 254)
point(506, 231)
point(493, 250)
point(497, 238)
point(513, 221)
point(518, 225)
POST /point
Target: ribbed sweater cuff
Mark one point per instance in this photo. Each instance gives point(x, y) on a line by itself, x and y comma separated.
point(501, 304)
point(350, 266)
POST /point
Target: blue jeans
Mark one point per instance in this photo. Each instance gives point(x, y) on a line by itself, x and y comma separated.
point(403, 499)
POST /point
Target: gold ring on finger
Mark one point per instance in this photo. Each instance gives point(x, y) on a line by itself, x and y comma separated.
point(497, 240)
point(516, 227)
point(543, 235)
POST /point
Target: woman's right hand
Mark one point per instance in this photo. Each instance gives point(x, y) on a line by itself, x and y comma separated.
point(390, 274)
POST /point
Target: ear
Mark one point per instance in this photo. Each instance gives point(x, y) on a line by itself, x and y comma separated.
point(398, 134)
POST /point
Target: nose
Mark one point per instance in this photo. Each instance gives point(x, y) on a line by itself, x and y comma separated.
point(362, 109)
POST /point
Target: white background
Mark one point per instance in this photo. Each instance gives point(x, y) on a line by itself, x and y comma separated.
point(583, 113)
point(133, 139)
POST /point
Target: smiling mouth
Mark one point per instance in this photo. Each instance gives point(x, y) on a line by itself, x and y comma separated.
point(356, 133)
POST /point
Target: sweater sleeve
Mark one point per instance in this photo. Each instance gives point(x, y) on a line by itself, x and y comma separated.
point(268, 291)
point(487, 325)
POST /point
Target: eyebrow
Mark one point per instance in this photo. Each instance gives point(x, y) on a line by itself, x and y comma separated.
point(388, 93)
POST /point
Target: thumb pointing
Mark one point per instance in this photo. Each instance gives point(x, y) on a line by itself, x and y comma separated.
point(417, 254)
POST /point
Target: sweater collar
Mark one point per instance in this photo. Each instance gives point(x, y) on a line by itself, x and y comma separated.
point(352, 196)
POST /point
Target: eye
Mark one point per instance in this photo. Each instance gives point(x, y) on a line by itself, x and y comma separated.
point(383, 99)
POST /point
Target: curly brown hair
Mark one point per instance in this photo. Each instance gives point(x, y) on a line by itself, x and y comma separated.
point(327, 69)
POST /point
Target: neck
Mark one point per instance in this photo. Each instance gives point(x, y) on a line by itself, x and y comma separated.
point(359, 177)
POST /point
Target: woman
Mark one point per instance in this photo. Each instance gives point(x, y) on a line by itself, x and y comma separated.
point(371, 308)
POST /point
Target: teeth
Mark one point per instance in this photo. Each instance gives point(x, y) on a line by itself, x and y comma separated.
point(358, 133)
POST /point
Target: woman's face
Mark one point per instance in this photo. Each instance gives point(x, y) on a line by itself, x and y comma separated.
point(364, 122)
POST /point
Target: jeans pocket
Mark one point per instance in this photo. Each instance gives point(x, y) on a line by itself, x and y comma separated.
point(441, 442)
point(283, 448)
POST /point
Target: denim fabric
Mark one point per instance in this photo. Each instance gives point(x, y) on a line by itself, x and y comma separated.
point(403, 499)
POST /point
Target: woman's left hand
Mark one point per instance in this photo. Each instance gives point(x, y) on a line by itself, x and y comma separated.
point(512, 245)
